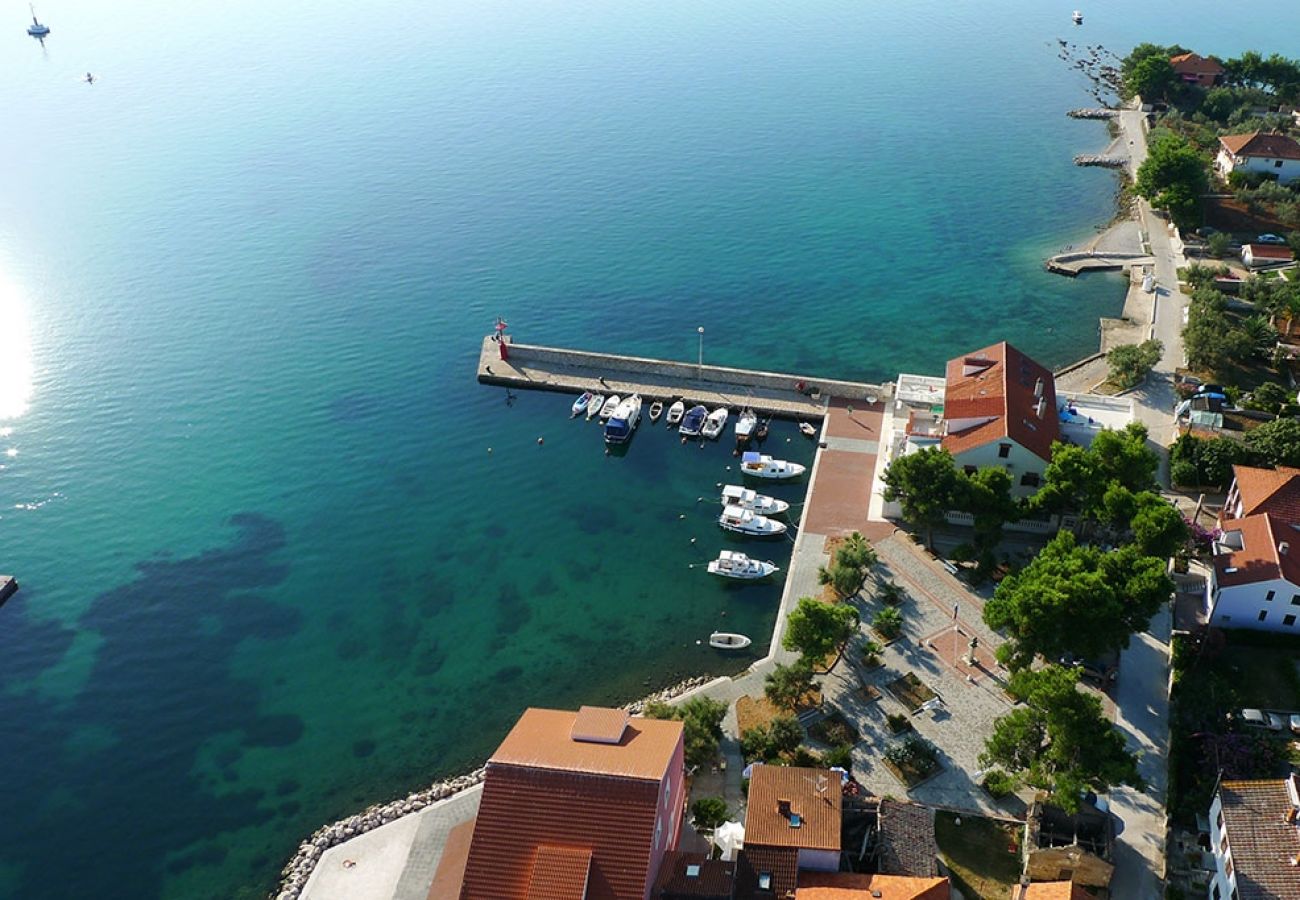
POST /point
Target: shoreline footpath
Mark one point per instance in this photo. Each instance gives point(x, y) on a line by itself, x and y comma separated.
point(296, 873)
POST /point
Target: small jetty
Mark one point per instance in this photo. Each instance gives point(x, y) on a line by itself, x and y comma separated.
point(8, 587)
point(1093, 113)
point(1071, 264)
point(1101, 161)
point(503, 361)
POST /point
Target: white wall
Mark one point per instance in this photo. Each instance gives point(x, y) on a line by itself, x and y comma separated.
point(1018, 463)
point(1220, 859)
point(1286, 173)
point(1239, 606)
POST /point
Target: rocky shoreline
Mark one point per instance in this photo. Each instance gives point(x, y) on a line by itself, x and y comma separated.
point(293, 877)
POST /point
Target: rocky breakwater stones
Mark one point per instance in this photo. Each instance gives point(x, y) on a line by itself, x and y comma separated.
point(668, 693)
point(294, 875)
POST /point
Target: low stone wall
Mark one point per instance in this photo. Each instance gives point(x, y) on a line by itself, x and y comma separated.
point(293, 878)
point(688, 373)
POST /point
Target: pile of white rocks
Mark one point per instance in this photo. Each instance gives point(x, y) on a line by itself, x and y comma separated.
point(295, 874)
point(668, 693)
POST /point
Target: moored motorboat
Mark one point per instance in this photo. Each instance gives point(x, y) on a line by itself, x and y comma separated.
point(760, 465)
point(594, 405)
point(747, 498)
point(726, 640)
point(746, 521)
point(760, 432)
point(745, 426)
point(675, 413)
point(656, 410)
point(580, 405)
point(716, 421)
point(693, 421)
point(611, 404)
point(1078, 17)
point(807, 430)
point(731, 564)
point(619, 427)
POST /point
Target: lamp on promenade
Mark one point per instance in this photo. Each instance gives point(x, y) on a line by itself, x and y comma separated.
point(700, 364)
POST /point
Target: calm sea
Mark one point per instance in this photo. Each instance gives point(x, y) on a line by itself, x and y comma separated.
point(271, 571)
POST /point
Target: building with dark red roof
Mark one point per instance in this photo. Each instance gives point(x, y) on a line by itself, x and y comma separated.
point(1255, 839)
point(1256, 572)
point(575, 806)
point(1192, 68)
point(1262, 152)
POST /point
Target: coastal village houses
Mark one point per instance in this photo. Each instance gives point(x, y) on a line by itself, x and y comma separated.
point(575, 806)
point(1255, 839)
point(995, 407)
point(1191, 68)
point(1255, 576)
point(1275, 155)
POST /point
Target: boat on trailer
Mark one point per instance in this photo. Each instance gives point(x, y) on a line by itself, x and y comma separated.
point(731, 564)
point(748, 498)
point(727, 640)
point(760, 465)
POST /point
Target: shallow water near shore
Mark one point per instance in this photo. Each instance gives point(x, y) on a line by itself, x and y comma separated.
point(271, 571)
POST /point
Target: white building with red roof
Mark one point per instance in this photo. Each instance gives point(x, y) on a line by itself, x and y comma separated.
point(575, 806)
point(1255, 578)
point(1270, 154)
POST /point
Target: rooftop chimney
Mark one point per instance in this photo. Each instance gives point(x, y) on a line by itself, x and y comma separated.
point(1283, 547)
point(783, 807)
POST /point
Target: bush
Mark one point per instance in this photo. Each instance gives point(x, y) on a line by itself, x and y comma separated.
point(999, 783)
point(914, 753)
point(769, 742)
point(888, 622)
point(1130, 363)
point(839, 757)
point(707, 813)
point(1183, 473)
point(1219, 245)
point(898, 722)
point(871, 653)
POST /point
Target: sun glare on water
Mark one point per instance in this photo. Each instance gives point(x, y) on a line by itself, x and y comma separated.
point(15, 353)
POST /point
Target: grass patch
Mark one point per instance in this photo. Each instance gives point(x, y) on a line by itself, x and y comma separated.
point(834, 730)
point(753, 712)
point(910, 691)
point(979, 854)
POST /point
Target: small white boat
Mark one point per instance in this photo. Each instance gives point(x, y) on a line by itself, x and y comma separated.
point(746, 521)
point(745, 426)
point(594, 405)
point(675, 413)
point(726, 640)
point(580, 405)
point(747, 498)
point(731, 564)
point(36, 29)
point(714, 424)
point(656, 410)
point(1078, 17)
point(619, 427)
point(693, 421)
point(760, 465)
point(611, 404)
point(807, 430)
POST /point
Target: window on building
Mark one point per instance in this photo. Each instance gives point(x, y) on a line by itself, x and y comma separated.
point(1029, 479)
point(1295, 599)
point(1263, 614)
point(1223, 845)
point(1004, 450)
point(1277, 164)
point(1269, 595)
point(1220, 820)
point(1227, 870)
point(765, 881)
point(1288, 621)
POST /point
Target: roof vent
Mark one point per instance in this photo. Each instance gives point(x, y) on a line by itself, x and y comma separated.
point(783, 807)
point(1283, 547)
point(692, 871)
point(877, 894)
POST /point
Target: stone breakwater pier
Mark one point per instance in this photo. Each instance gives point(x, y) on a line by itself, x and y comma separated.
point(778, 394)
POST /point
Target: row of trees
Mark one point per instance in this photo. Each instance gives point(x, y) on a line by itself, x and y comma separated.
point(1173, 177)
point(1147, 71)
point(1215, 341)
point(1208, 462)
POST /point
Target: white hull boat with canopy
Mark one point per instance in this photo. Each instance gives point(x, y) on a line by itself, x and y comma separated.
point(731, 564)
point(716, 421)
point(746, 521)
point(760, 465)
point(748, 498)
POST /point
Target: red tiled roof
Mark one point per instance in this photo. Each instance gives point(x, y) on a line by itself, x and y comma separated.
point(1259, 143)
point(713, 878)
point(450, 876)
point(852, 886)
point(1053, 890)
point(1193, 63)
point(1274, 491)
point(1261, 557)
point(814, 800)
point(559, 873)
point(1270, 251)
point(543, 739)
point(782, 863)
point(1261, 841)
point(998, 384)
point(599, 724)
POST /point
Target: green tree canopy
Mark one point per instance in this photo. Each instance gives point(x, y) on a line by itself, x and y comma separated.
point(814, 628)
point(925, 484)
point(853, 561)
point(1060, 741)
point(701, 719)
point(1151, 78)
point(1077, 478)
point(1076, 600)
point(1159, 529)
point(785, 685)
point(1130, 363)
point(707, 813)
point(1137, 66)
point(986, 495)
point(1173, 176)
point(1276, 443)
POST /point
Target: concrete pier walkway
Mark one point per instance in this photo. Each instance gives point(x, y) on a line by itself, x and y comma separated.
point(574, 371)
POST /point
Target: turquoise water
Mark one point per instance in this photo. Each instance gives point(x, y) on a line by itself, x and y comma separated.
point(271, 572)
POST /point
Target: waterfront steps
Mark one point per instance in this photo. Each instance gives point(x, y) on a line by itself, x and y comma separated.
point(574, 371)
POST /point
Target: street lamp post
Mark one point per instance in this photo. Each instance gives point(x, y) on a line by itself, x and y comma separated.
point(700, 363)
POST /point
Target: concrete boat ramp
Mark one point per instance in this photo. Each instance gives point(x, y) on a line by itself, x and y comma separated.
point(783, 395)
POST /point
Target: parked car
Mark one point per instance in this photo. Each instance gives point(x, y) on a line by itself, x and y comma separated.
point(1270, 239)
point(1101, 672)
point(1256, 718)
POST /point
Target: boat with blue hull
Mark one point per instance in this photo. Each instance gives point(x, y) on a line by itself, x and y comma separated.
point(693, 422)
point(619, 427)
